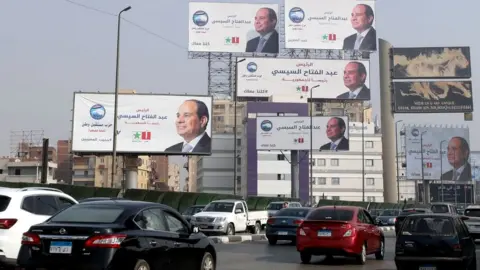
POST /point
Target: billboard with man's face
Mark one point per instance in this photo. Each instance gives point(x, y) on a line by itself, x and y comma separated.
point(446, 154)
point(146, 124)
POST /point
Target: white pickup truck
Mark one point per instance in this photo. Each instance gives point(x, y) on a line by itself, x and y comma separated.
point(229, 217)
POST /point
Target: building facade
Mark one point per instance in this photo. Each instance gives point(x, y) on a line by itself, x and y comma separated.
point(25, 171)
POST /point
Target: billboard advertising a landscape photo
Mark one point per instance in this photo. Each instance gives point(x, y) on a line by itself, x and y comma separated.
point(233, 27)
point(431, 63)
point(433, 97)
point(446, 153)
point(293, 133)
point(330, 25)
point(146, 124)
point(327, 79)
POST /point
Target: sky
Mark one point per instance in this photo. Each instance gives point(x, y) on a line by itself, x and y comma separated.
point(51, 48)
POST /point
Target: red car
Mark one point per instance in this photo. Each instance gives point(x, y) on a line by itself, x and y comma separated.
point(340, 231)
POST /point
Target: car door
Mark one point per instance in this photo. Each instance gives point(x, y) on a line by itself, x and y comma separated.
point(375, 234)
point(466, 241)
point(364, 229)
point(240, 218)
point(182, 243)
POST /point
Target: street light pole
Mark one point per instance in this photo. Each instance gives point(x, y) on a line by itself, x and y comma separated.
point(396, 155)
point(115, 111)
point(363, 153)
point(441, 168)
point(311, 143)
point(425, 192)
point(235, 127)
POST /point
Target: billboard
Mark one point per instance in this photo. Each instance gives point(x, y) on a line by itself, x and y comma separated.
point(233, 27)
point(334, 26)
point(433, 97)
point(464, 193)
point(146, 124)
point(431, 63)
point(336, 79)
point(475, 162)
point(446, 153)
point(293, 133)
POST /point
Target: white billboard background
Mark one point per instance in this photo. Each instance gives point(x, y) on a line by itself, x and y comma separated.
point(293, 132)
point(475, 162)
point(265, 77)
point(313, 24)
point(152, 116)
point(211, 24)
point(433, 168)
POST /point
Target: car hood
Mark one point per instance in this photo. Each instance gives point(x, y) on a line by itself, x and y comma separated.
point(212, 214)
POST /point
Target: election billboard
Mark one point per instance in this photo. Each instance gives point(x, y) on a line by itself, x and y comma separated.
point(446, 153)
point(475, 163)
point(449, 193)
point(327, 79)
point(431, 63)
point(233, 27)
point(433, 97)
point(146, 124)
point(330, 25)
point(293, 133)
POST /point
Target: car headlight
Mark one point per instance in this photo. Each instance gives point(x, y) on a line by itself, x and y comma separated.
point(220, 219)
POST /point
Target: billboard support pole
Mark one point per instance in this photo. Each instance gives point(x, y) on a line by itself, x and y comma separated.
point(235, 126)
point(441, 168)
point(295, 164)
point(363, 153)
point(426, 184)
point(311, 144)
point(388, 124)
point(397, 159)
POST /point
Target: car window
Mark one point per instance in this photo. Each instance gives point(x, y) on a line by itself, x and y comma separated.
point(462, 233)
point(40, 205)
point(64, 202)
point(368, 218)
point(440, 208)
point(225, 207)
point(4, 202)
point(331, 214)
point(275, 206)
point(428, 226)
point(88, 214)
point(474, 212)
point(239, 206)
point(151, 219)
point(197, 210)
point(174, 224)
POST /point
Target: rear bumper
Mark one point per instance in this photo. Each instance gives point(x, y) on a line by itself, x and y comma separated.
point(281, 233)
point(441, 263)
point(340, 247)
point(4, 261)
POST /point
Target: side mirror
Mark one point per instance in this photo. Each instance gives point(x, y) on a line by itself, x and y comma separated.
point(195, 229)
point(465, 218)
point(238, 211)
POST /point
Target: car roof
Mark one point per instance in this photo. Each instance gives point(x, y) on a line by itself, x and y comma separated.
point(473, 206)
point(342, 207)
point(127, 204)
point(297, 208)
point(29, 191)
point(438, 215)
point(198, 205)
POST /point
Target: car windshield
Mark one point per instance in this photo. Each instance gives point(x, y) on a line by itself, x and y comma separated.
point(275, 206)
point(389, 213)
point(440, 208)
point(428, 226)
point(331, 214)
point(472, 212)
point(197, 209)
point(88, 214)
point(292, 212)
point(219, 207)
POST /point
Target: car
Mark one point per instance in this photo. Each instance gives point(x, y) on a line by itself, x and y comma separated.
point(442, 208)
point(473, 221)
point(113, 234)
point(283, 225)
point(406, 212)
point(273, 207)
point(340, 231)
point(435, 242)
point(387, 217)
point(20, 208)
point(99, 199)
point(192, 210)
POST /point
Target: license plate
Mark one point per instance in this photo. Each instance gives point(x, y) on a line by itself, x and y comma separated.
point(61, 247)
point(427, 268)
point(282, 233)
point(324, 233)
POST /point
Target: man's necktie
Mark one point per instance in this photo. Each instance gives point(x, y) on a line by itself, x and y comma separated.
point(187, 148)
point(358, 42)
point(261, 43)
point(352, 95)
point(333, 146)
point(455, 175)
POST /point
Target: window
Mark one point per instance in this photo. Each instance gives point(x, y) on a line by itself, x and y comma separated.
point(370, 199)
point(280, 176)
point(331, 214)
point(369, 162)
point(102, 160)
point(101, 172)
point(334, 162)
point(370, 181)
point(151, 219)
point(335, 181)
point(280, 157)
point(174, 224)
point(292, 212)
point(321, 181)
point(40, 205)
point(88, 214)
point(336, 198)
point(321, 162)
point(312, 162)
point(239, 207)
point(239, 161)
point(239, 142)
point(85, 173)
point(368, 144)
point(64, 203)
point(428, 225)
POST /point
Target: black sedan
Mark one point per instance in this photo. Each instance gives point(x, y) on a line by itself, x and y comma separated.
point(283, 225)
point(111, 234)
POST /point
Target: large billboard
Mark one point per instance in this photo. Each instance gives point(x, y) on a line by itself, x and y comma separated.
point(433, 97)
point(475, 162)
point(332, 25)
point(446, 153)
point(336, 79)
point(293, 133)
point(233, 27)
point(431, 63)
point(146, 124)
point(450, 193)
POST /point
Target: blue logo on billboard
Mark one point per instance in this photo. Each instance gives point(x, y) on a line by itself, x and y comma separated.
point(415, 132)
point(200, 18)
point(296, 15)
point(97, 111)
point(266, 125)
point(252, 67)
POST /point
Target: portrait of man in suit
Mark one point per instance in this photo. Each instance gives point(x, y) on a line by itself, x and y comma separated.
point(267, 41)
point(354, 77)
point(458, 152)
point(365, 38)
point(336, 128)
point(191, 123)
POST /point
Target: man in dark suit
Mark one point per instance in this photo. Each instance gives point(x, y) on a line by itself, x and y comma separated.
point(354, 77)
point(192, 120)
point(336, 128)
point(366, 37)
point(458, 152)
point(265, 23)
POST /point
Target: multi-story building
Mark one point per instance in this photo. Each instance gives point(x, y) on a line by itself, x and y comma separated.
point(192, 169)
point(174, 177)
point(223, 113)
point(25, 171)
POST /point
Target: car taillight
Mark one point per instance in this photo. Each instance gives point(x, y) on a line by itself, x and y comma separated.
point(349, 233)
point(457, 247)
point(298, 221)
point(270, 221)
point(7, 223)
point(301, 232)
point(30, 239)
point(105, 241)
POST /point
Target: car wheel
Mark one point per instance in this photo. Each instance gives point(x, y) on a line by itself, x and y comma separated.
point(272, 241)
point(305, 257)
point(141, 265)
point(208, 263)
point(362, 257)
point(379, 255)
point(230, 229)
point(258, 228)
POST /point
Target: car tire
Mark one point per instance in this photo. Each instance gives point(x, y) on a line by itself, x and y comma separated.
point(305, 257)
point(362, 257)
point(230, 229)
point(272, 241)
point(141, 265)
point(379, 255)
point(208, 263)
point(257, 229)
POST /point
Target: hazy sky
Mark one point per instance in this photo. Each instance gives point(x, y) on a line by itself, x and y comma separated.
point(51, 48)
